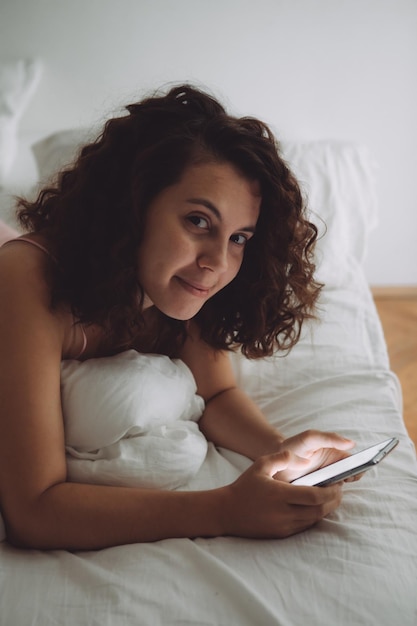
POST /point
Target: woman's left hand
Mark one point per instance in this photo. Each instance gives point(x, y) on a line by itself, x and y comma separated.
point(316, 449)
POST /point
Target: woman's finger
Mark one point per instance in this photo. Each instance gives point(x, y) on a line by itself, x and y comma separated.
point(276, 462)
point(311, 440)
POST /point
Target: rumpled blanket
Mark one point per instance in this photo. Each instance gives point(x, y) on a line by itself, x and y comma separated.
point(131, 420)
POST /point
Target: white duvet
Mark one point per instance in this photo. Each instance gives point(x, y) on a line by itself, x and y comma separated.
point(130, 420)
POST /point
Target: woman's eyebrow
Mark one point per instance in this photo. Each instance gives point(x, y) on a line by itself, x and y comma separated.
point(209, 205)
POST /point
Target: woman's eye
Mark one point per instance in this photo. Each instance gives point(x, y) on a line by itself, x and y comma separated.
point(200, 222)
point(240, 240)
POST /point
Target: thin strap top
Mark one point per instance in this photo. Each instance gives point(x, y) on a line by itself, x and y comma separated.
point(33, 243)
point(46, 251)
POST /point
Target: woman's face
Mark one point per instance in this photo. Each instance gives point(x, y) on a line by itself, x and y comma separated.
point(195, 236)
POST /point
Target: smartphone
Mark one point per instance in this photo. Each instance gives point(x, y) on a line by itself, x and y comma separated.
point(354, 464)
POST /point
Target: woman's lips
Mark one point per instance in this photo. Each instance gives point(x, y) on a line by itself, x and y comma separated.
point(194, 288)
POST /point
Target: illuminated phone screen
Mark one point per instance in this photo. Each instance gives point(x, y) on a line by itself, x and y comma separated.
point(354, 464)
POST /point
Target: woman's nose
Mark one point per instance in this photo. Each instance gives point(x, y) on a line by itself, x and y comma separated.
point(214, 257)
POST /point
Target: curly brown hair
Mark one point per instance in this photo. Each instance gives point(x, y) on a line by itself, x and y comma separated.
point(93, 219)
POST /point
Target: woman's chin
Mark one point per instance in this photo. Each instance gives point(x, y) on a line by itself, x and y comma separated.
point(180, 315)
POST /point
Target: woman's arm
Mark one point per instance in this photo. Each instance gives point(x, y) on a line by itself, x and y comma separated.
point(230, 419)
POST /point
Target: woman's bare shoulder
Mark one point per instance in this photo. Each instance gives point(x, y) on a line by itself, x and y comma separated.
point(25, 293)
point(23, 262)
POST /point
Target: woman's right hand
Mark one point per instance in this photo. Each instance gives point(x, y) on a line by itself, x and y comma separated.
point(258, 505)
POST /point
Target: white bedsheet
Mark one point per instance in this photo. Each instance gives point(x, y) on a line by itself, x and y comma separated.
point(357, 567)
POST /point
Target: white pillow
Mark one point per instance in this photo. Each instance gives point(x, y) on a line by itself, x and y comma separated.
point(18, 81)
point(7, 232)
point(338, 181)
point(55, 151)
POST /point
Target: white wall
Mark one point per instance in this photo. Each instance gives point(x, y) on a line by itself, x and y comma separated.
point(313, 69)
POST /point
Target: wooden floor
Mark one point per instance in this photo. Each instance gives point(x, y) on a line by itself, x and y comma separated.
point(398, 313)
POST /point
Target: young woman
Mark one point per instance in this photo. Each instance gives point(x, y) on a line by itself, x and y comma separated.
point(179, 231)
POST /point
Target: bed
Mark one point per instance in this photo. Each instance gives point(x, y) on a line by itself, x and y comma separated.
point(356, 567)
